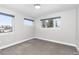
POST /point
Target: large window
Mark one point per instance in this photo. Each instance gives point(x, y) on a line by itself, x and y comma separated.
point(51, 22)
point(5, 22)
point(28, 22)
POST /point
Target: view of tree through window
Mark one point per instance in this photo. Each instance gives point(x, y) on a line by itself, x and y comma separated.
point(51, 22)
point(47, 23)
point(5, 23)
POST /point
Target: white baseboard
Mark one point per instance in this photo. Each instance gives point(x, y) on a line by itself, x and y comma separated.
point(77, 48)
point(6, 46)
point(57, 41)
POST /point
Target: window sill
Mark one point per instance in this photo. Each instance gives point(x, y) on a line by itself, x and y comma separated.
point(51, 28)
point(5, 34)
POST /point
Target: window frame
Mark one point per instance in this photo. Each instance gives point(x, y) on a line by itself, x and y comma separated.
point(54, 22)
point(28, 20)
point(12, 22)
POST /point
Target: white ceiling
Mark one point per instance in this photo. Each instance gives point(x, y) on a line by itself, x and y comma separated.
point(28, 9)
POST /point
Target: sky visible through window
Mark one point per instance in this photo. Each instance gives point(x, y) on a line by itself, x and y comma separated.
point(27, 22)
point(5, 23)
point(5, 20)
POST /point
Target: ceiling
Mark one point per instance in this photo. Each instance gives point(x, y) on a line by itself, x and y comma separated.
point(29, 10)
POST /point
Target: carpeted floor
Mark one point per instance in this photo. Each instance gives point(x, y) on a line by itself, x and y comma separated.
point(39, 47)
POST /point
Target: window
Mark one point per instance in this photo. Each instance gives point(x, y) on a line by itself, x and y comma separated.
point(51, 22)
point(5, 23)
point(28, 22)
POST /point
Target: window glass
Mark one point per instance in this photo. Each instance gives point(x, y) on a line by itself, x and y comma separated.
point(28, 22)
point(51, 23)
point(5, 23)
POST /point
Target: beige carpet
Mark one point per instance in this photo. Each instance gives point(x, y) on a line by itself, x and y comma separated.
point(39, 47)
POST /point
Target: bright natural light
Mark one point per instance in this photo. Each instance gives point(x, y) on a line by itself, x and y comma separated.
point(5, 23)
point(5, 20)
point(28, 22)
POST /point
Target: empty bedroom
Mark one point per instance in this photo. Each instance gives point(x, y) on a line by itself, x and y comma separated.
point(39, 29)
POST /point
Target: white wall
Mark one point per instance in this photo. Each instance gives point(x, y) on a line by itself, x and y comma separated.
point(20, 32)
point(67, 34)
point(77, 31)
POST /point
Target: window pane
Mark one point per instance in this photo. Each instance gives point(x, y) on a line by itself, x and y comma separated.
point(43, 23)
point(28, 22)
point(51, 22)
point(58, 23)
point(5, 23)
point(47, 23)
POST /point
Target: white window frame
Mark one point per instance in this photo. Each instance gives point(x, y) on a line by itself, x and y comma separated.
point(54, 21)
point(12, 21)
point(28, 20)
